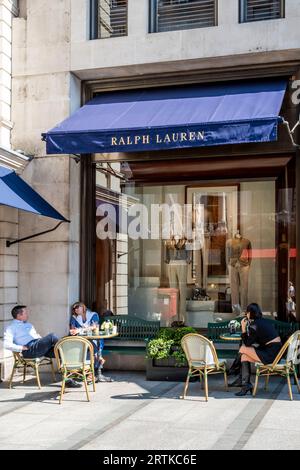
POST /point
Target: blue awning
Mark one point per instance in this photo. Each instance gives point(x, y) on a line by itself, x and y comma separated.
point(166, 118)
point(14, 192)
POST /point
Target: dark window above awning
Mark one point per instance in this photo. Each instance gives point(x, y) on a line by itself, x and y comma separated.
point(172, 117)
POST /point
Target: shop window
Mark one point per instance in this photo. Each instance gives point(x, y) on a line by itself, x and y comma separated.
point(172, 15)
point(197, 254)
point(108, 18)
point(258, 10)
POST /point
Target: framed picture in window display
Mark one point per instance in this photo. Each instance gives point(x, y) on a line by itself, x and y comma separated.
point(215, 214)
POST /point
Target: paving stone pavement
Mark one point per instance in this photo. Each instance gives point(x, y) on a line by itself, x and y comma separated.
point(131, 413)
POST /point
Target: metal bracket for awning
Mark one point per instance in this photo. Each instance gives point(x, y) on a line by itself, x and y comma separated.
point(292, 131)
point(9, 243)
point(76, 157)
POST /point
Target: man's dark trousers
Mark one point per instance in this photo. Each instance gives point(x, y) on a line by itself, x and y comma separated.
point(41, 347)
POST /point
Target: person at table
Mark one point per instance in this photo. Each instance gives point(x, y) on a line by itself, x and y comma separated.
point(106, 312)
point(20, 336)
point(81, 318)
point(261, 343)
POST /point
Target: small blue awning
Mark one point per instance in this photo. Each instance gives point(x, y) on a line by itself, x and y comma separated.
point(14, 192)
point(172, 117)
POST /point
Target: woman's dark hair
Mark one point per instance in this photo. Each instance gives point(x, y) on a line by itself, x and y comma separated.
point(255, 311)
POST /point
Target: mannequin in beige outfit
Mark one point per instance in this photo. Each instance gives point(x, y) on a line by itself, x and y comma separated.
point(201, 261)
point(239, 257)
point(177, 259)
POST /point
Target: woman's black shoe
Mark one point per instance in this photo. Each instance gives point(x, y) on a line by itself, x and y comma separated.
point(246, 384)
point(244, 390)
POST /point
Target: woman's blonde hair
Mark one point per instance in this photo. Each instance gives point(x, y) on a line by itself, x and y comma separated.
point(76, 306)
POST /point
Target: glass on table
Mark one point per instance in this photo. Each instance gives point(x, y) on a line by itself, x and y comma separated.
point(95, 328)
point(88, 330)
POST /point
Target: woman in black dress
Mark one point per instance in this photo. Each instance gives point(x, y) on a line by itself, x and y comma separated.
point(261, 343)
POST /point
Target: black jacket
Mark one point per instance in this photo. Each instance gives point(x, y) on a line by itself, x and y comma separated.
point(260, 331)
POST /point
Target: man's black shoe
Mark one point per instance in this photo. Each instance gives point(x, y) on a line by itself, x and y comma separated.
point(72, 384)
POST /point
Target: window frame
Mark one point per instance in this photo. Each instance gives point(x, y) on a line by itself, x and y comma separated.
point(243, 12)
point(94, 22)
point(153, 18)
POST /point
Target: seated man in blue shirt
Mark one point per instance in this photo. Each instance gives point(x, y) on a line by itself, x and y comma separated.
point(21, 336)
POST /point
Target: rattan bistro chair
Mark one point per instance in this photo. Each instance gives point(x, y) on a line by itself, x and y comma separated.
point(35, 363)
point(71, 356)
point(202, 360)
point(283, 367)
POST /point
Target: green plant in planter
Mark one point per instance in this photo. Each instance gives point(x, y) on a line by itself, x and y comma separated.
point(159, 348)
point(166, 334)
point(168, 344)
point(178, 353)
point(181, 332)
point(180, 358)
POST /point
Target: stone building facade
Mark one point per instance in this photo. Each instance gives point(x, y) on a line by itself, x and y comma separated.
point(54, 63)
point(9, 221)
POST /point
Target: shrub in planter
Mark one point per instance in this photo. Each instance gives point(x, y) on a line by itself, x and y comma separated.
point(179, 356)
point(167, 345)
point(181, 332)
point(159, 348)
point(167, 334)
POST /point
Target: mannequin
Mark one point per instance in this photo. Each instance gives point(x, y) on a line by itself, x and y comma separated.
point(201, 245)
point(201, 260)
point(291, 302)
point(177, 259)
point(239, 257)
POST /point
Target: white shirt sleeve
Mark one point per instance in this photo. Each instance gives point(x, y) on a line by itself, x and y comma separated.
point(9, 341)
point(34, 333)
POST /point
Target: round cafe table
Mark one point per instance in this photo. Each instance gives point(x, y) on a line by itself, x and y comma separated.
point(235, 337)
point(104, 336)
